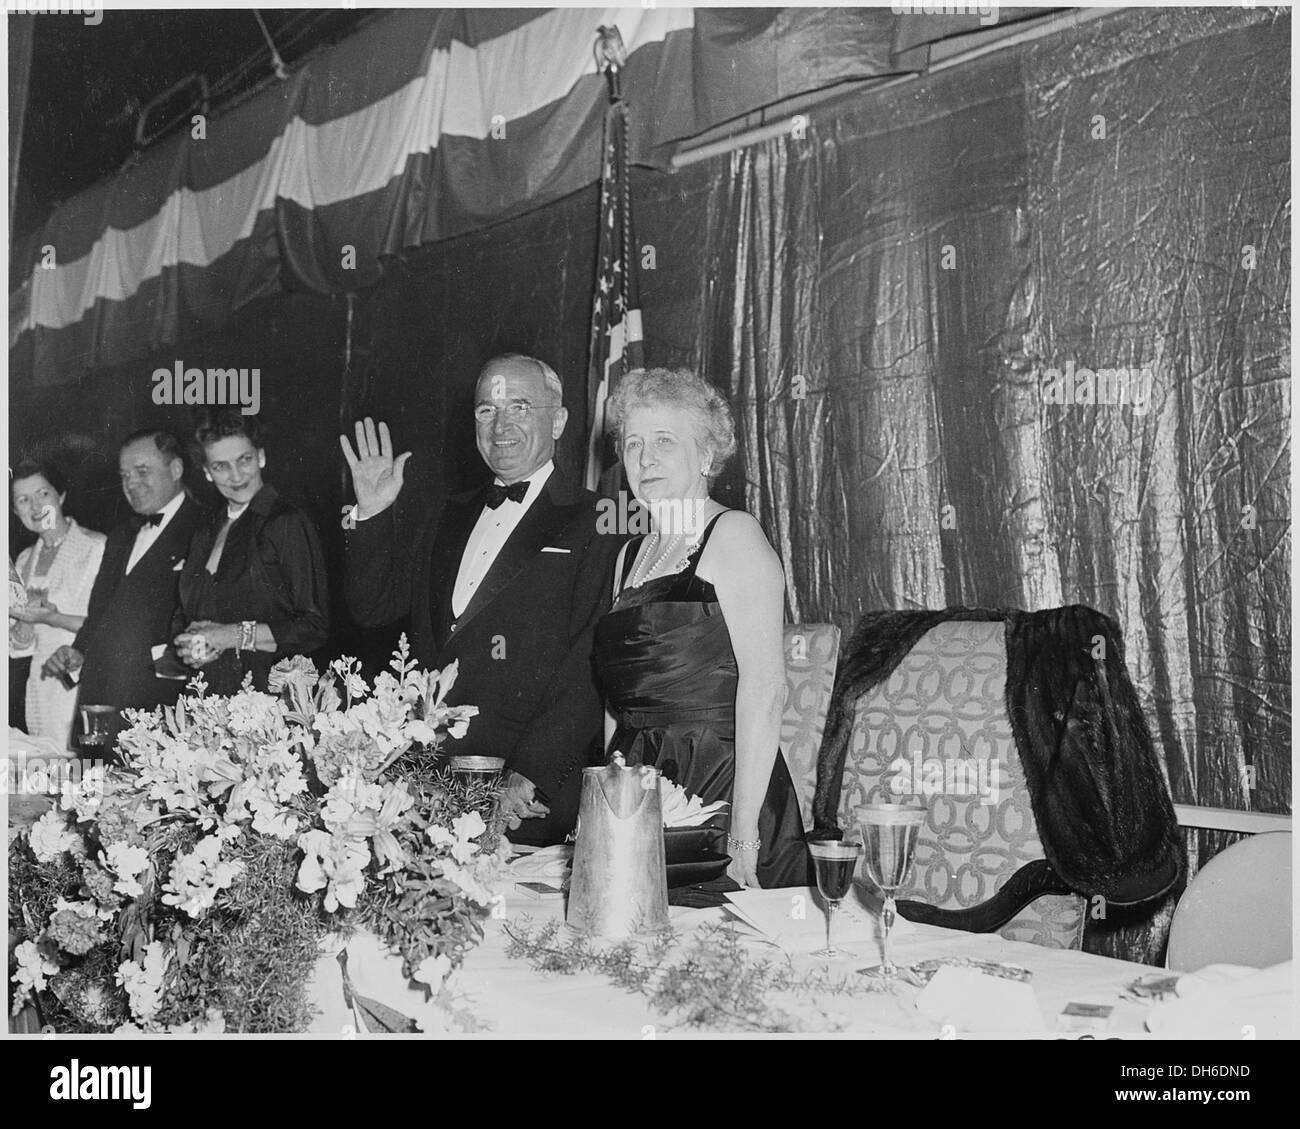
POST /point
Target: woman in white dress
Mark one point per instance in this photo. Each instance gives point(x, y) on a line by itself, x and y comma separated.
point(58, 573)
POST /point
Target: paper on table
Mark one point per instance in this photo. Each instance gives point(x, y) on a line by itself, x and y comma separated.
point(795, 918)
point(971, 1000)
point(549, 862)
point(1229, 1002)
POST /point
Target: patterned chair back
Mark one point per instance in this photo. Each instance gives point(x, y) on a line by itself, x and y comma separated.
point(938, 730)
point(812, 652)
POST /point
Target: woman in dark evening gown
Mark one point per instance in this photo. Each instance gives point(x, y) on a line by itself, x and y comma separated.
point(692, 667)
point(253, 585)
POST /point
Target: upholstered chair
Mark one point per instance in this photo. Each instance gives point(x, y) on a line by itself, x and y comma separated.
point(811, 655)
point(937, 729)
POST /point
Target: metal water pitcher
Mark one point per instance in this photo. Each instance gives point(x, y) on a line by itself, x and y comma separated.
point(619, 886)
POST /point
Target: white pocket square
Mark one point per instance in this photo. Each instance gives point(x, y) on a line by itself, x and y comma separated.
point(178, 565)
point(552, 549)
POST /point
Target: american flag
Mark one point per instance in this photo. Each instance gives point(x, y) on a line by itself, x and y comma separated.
point(615, 316)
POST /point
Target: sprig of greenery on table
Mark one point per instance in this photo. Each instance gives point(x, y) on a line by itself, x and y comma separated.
point(708, 980)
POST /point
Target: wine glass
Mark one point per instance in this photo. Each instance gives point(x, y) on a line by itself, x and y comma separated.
point(835, 863)
point(889, 834)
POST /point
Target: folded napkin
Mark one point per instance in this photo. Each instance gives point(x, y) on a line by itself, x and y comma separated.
point(549, 862)
point(970, 1000)
point(1226, 1001)
point(684, 810)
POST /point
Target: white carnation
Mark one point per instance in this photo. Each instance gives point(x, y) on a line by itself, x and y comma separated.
point(50, 836)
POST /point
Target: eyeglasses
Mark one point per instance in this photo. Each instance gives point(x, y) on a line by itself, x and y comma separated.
point(515, 412)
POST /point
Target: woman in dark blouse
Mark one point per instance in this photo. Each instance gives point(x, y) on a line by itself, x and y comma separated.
point(253, 587)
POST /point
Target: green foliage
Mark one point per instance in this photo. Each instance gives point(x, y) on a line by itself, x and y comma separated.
point(252, 954)
point(708, 981)
point(85, 996)
point(440, 797)
point(35, 888)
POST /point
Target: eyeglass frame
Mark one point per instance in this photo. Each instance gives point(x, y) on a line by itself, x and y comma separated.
point(516, 411)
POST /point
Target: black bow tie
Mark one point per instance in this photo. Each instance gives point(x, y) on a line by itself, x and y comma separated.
point(139, 521)
point(496, 493)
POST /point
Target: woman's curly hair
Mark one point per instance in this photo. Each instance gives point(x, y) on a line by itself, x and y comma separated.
point(211, 425)
point(679, 388)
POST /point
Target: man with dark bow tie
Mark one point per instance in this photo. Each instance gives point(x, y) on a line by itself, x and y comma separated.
point(509, 580)
point(129, 616)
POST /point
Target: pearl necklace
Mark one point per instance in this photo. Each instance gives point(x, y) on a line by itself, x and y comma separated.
point(651, 565)
point(643, 574)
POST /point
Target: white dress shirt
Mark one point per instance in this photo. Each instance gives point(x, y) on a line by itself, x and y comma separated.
point(148, 534)
point(489, 536)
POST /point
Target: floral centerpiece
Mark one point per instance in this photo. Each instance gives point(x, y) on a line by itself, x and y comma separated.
point(193, 887)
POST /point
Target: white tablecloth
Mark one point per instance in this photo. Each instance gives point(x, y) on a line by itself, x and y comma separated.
point(516, 1001)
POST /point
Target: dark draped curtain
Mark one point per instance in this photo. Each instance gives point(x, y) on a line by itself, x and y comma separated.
point(891, 294)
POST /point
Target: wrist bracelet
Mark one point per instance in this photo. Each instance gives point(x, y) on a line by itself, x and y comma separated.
point(743, 844)
point(247, 636)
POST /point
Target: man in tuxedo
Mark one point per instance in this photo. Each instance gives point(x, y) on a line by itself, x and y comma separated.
point(129, 618)
point(509, 580)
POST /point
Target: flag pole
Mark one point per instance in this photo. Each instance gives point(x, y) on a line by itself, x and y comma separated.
point(615, 343)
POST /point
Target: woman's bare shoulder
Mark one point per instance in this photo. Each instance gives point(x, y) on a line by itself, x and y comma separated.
point(738, 530)
point(738, 545)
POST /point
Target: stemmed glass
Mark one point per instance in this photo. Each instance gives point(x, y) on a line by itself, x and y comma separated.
point(835, 863)
point(889, 834)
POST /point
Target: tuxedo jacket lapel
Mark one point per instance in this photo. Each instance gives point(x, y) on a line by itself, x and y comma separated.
point(545, 519)
point(117, 552)
point(460, 513)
